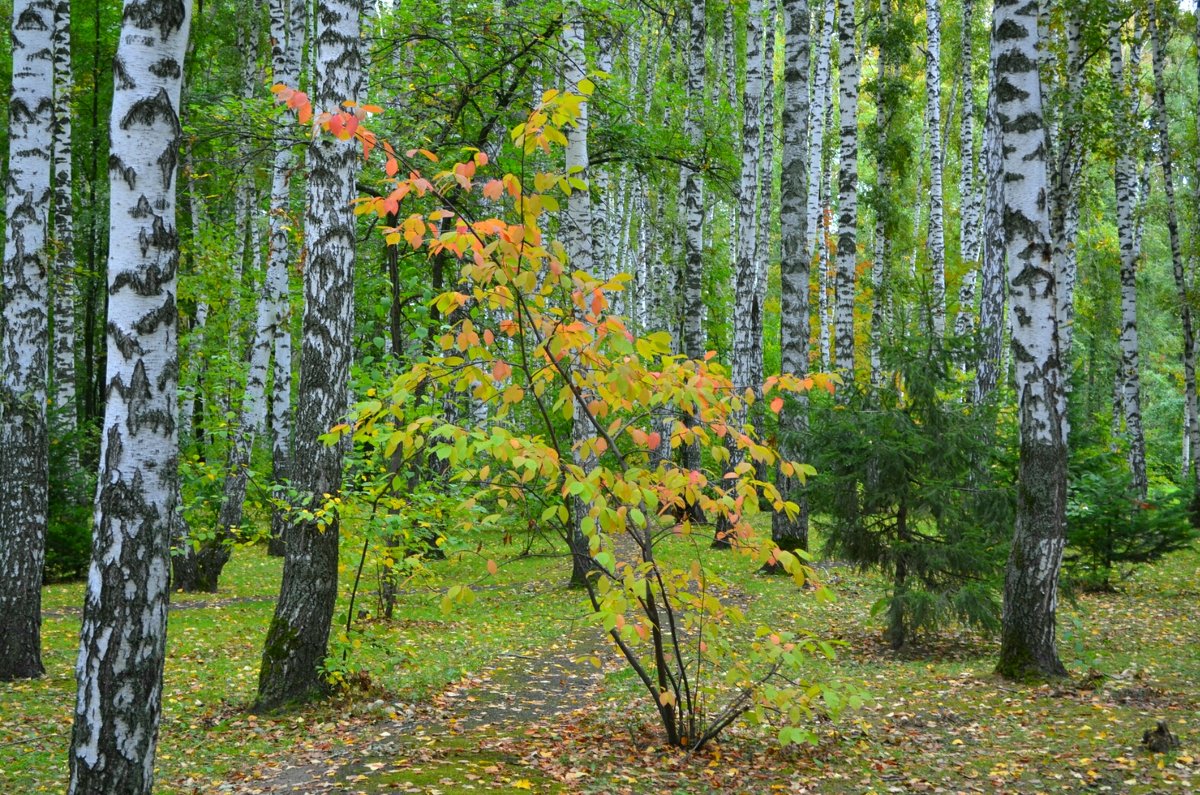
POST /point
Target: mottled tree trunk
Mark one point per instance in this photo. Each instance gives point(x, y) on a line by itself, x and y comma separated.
point(288, 25)
point(693, 202)
point(1031, 579)
point(1125, 180)
point(847, 244)
point(991, 270)
point(936, 240)
point(24, 342)
point(577, 240)
point(1160, 38)
point(64, 237)
point(970, 197)
point(123, 639)
point(788, 533)
point(745, 294)
point(299, 633)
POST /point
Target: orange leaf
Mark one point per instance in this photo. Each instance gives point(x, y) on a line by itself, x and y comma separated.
point(777, 404)
point(492, 567)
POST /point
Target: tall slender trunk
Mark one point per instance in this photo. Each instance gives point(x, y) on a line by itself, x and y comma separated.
point(788, 533)
point(1031, 579)
point(765, 198)
point(816, 127)
point(693, 201)
point(883, 189)
point(299, 633)
point(847, 244)
point(122, 641)
point(936, 240)
point(24, 337)
point(1160, 35)
point(745, 295)
point(1125, 181)
point(577, 240)
point(970, 196)
point(288, 27)
point(991, 270)
point(64, 235)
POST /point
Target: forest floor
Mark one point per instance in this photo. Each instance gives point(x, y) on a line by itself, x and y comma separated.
point(497, 696)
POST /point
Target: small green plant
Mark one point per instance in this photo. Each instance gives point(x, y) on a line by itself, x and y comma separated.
point(914, 484)
point(1110, 530)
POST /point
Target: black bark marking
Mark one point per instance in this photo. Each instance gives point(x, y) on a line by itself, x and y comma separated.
point(167, 15)
point(126, 173)
point(166, 68)
point(147, 112)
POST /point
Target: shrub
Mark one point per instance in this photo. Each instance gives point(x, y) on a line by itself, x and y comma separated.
point(915, 486)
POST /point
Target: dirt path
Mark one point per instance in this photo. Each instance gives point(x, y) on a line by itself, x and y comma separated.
point(402, 749)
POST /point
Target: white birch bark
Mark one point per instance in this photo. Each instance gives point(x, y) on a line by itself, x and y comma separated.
point(1031, 579)
point(25, 343)
point(764, 195)
point(970, 197)
point(883, 190)
point(123, 637)
point(936, 238)
point(847, 241)
point(1159, 39)
point(745, 289)
point(818, 109)
point(288, 27)
point(64, 232)
point(1125, 182)
point(794, 260)
point(577, 240)
point(991, 270)
point(298, 636)
point(693, 202)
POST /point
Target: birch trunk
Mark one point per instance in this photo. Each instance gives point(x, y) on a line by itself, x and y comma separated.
point(64, 234)
point(970, 198)
point(298, 636)
point(847, 245)
point(693, 201)
point(818, 109)
point(1125, 182)
point(745, 293)
point(24, 337)
point(1031, 579)
point(288, 26)
point(765, 199)
point(1159, 48)
point(123, 638)
point(991, 271)
point(792, 534)
point(577, 240)
point(936, 240)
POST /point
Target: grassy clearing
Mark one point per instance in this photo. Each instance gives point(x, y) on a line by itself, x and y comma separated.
point(936, 719)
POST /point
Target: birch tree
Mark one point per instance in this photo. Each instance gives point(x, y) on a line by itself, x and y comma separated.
point(792, 534)
point(288, 25)
point(1031, 579)
point(1159, 38)
point(299, 633)
point(1125, 182)
point(25, 342)
point(847, 242)
point(970, 199)
point(123, 638)
point(693, 201)
point(64, 230)
point(577, 240)
point(933, 116)
point(745, 295)
point(991, 268)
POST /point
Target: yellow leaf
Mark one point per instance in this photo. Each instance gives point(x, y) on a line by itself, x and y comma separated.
point(523, 784)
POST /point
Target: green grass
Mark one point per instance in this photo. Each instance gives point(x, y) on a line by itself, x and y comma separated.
point(935, 715)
